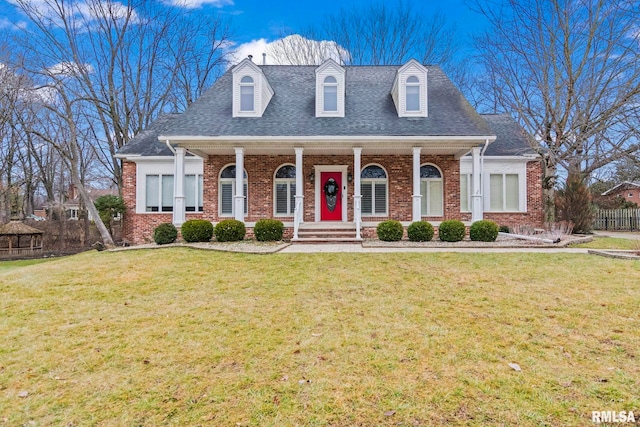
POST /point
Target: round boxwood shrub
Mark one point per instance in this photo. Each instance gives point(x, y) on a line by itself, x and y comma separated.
point(420, 231)
point(230, 230)
point(268, 230)
point(390, 231)
point(483, 231)
point(451, 230)
point(165, 233)
point(197, 230)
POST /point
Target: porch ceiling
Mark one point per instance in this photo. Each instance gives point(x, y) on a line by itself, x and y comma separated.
point(457, 146)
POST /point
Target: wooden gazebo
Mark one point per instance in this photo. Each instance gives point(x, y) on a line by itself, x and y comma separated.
point(19, 239)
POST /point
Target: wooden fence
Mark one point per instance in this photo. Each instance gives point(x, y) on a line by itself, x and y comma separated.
point(617, 219)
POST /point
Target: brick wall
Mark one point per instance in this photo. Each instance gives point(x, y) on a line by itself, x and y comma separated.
point(138, 228)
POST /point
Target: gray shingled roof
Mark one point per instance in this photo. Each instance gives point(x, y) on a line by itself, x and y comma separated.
point(369, 111)
point(369, 108)
point(511, 139)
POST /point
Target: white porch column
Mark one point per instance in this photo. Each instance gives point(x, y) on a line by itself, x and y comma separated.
point(179, 215)
point(238, 198)
point(476, 190)
point(299, 178)
point(417, 197)
point(357, 195)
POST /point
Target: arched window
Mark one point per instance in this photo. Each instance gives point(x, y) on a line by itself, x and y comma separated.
point(431, 190)
point(247, 87)
point(373, 187)
point(330, 93)
point(285, 190)
point(412, 93)
point(227, 189)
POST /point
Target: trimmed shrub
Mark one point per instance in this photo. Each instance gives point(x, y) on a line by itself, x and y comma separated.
point(451, 230)
point(165, 233)
point(420, 231)
point(483, 231)
point(230, 230)
point(390, 231)
point(268, 230)
point(504, 229)
point(197, 230)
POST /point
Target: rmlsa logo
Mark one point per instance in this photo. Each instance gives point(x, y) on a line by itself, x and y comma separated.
point(599, 417)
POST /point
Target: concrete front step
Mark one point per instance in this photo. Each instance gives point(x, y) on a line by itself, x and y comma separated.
point(323, 232)
point(313, 240)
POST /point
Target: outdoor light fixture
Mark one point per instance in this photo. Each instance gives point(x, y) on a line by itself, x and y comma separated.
point(349, 177)
point(312, 177)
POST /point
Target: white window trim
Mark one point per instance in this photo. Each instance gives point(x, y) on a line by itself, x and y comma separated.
point(330, 68)
point(288, 181)
point(468, 195)
point(399, 90)
point(500, 165)
point(160, 166)
point(325, 85)
point(252, 85)
point(373, 181)
point(233, 192)
point(428, 201)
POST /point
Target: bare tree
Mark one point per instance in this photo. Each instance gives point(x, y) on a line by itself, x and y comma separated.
point(569, 71)
point(132, 61)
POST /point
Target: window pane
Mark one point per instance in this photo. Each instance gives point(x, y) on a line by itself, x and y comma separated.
point(167, 193)
point(381, 198)
point(246, 199)
point(464, 193)
point(373, 171)
point(287, 171)
point(331, 98)
point(246, 79)
point(413, 98)
point(435, 198)
point(424, 200)
point(152, 193)
point(429, 171)
point(495, 190)
point(281, 199)
point(292, 190)
point(246, 98)
point(512, 193)
point(367, 199)
point(330, 79)
point(226, 198)
point(190, 193)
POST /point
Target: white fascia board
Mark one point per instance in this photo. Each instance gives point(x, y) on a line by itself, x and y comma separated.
point(327, 138)
point(504, 158)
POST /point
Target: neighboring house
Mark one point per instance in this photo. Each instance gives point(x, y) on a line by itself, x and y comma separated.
point(629, 191)
point(336, 145)
point(72, 203)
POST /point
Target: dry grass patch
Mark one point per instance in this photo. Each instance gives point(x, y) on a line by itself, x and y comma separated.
point(609, 243)
point(187, 337)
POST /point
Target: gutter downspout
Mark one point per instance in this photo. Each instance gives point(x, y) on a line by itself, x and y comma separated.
point(170, 147)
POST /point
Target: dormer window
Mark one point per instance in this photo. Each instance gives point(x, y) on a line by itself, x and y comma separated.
point(412, 92)
point(251, 90)
point(247, 90)
point(330, 89)
point(409, 91)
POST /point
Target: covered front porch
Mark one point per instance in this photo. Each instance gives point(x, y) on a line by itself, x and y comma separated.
point(330, 179)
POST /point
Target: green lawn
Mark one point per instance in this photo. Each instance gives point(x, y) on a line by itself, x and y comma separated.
point(187, 337)
point(610, 243)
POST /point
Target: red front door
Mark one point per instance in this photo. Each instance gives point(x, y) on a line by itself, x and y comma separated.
point(330, 196)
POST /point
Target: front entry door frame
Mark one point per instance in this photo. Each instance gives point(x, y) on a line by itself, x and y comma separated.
point(318, 169)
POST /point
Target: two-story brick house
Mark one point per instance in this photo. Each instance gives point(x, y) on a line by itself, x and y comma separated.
point(334, 145)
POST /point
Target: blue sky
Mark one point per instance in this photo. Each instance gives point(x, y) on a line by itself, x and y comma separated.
point(258, 22)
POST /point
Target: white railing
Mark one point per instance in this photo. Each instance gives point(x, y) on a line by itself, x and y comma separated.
point(297, 217)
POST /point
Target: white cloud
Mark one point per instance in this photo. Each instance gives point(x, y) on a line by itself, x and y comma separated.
point(291, 50)
point(83, 11)
point(5, 23)
point(194, 4)
point(69, 69)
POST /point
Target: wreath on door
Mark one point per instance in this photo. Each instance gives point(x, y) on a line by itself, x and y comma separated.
point(331, 193)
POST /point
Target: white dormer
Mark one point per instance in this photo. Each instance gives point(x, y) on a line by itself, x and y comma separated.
point(409, 90)
point(251, 90)
point(330, 89)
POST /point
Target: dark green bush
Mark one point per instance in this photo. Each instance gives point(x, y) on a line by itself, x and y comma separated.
point(197, 230)
point(420, 231)
point(165, 233)
point(390, 231)
point(504, 229)
point(451, 230)
point(483, 231)
point(268, 230)
point(230, 230)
